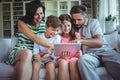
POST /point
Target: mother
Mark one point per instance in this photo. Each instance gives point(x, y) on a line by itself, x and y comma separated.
point(28, 26)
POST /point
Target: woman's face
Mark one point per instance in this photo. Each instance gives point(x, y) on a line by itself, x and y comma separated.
point(38, 16)
point(66, 28)
point(51, 32)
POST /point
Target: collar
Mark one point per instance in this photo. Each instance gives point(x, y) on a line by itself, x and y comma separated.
point(86, 22)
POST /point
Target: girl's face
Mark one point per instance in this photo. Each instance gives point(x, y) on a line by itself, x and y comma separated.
point(66, 28)
point(38, 16)
point(51, 32)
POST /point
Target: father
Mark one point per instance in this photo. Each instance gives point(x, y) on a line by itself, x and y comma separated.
point(95, 51)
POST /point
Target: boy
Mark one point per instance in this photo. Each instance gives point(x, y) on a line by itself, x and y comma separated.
point(43, 55)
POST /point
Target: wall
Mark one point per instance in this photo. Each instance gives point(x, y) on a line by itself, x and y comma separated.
point(0, 21)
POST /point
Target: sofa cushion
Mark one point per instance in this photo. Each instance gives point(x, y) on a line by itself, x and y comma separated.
point(43, 72)
point(103, 73)
point(6, 71)
point(5, 46)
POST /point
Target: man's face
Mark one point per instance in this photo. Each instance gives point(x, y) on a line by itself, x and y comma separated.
point(78, 19)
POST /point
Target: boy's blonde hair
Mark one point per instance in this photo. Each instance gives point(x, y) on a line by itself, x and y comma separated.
point(53, 21)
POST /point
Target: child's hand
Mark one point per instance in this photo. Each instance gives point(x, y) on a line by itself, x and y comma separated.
point(50, 50)
point(78, 38)
point(65, 55)
point(79, 54)
point(37, 57)
point(75, 41)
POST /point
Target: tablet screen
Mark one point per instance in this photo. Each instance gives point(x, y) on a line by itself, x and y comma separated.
point(71, 47)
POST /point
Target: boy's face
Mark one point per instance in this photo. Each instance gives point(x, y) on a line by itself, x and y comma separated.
point(51, 32)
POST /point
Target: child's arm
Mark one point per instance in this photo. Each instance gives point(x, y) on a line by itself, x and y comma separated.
point(78, 37)
point(46, 52)
point(46, 58)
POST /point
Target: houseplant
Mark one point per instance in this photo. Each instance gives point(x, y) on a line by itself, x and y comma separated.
point(110, 23)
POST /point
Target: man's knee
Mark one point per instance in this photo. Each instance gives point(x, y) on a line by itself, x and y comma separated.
point(88, 60)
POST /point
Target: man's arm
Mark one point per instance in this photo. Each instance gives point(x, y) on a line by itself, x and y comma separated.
point(95, 41)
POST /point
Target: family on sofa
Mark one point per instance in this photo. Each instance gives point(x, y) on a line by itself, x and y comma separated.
point(94, 51)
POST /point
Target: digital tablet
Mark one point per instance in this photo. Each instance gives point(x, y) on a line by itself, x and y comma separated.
point(71, 47)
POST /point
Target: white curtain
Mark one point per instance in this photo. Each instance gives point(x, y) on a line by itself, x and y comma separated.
point(101, 14)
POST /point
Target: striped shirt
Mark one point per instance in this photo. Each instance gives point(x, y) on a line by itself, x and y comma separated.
point(24, 42)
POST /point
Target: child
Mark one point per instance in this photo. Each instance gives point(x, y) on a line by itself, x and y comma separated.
point(43, 55)
point(68, 66)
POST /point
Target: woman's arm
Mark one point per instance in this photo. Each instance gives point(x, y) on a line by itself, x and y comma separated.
point(22, 27)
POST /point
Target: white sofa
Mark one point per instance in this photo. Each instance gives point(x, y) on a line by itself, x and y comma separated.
point(6, 71)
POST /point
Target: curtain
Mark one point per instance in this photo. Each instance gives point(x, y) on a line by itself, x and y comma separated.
point(101, 14)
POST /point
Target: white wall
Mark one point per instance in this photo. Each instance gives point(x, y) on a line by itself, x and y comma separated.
point(0, 21)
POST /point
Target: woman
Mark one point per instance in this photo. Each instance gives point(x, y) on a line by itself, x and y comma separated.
point(28, 26)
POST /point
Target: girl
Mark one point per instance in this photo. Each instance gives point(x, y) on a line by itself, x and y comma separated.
point(68, 66)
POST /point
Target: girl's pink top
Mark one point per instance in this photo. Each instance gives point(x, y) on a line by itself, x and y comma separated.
point(67, 40)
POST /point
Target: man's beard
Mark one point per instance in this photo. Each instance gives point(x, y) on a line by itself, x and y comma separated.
point(77, 26)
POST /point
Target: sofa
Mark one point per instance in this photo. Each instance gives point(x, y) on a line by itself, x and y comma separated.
point(6, 71)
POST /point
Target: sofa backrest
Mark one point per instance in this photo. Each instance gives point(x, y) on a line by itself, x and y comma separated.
point(5, 47)
point(114, 40)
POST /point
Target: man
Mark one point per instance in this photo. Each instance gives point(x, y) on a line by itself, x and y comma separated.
point(94, 48)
